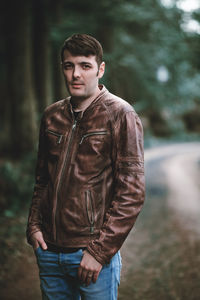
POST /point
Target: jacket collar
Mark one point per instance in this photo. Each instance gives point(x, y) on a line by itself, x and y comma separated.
point(68, 107)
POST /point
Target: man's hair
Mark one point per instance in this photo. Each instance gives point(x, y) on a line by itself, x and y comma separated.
point(83, 44)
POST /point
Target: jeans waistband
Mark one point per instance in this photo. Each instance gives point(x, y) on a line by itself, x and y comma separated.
point(58, 249)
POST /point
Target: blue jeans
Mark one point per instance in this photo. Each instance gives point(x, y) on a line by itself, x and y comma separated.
point(59, 279)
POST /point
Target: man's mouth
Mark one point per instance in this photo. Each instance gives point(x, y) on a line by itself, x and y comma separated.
point(76, 84)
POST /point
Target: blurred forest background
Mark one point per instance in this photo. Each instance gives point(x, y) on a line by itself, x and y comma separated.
point(152, 55)
point(152, 61)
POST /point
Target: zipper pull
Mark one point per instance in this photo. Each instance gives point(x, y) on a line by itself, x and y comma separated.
point(92, 229)
point(81, 140)
point(74, 125)
point(59, 139)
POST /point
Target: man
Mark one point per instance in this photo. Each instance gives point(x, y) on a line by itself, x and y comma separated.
point(89, 181)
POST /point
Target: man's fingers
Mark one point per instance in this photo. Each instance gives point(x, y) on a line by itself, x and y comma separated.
point(37, 240)
point(89, 268)
point(35, 245)
point(95, 276)
point(79, 272)
point(43, 245)
point(84, 276)
point(89, 277)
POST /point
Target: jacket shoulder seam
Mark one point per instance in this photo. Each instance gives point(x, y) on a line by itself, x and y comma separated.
point(55, 106)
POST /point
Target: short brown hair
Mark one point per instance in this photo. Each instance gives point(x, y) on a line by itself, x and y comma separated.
point(83, 44)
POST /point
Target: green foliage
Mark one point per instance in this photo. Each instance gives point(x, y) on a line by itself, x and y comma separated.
point(16, 185)
point(138, 38)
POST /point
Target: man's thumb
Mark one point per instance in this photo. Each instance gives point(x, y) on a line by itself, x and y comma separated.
point(43, 245)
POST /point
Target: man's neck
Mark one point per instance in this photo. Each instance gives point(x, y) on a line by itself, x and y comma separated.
point(81, 104)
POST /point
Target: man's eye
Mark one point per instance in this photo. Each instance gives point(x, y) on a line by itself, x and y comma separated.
point(67, 67)
point(86, 66)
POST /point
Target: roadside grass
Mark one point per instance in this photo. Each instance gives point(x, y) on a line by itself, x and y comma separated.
point(18, 270)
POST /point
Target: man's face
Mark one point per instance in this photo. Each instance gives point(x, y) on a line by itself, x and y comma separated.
point(81, 74)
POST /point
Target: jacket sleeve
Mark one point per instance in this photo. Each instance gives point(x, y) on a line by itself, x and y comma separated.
point(40, 188)
point(129, 193)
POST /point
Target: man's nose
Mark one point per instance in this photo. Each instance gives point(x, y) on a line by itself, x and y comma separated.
point(76, 72)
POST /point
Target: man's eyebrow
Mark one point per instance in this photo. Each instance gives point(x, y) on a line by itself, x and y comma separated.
point(85, 62)
point(67, 62)
point(80, 63)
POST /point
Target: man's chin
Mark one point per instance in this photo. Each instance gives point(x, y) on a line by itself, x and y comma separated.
point(77, 94)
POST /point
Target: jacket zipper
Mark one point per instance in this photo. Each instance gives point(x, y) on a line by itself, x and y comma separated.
point(63, 169)
point(92, 133)
point(59, 136)
point(89, 207)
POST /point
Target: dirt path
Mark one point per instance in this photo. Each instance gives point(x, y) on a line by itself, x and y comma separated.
point(180, 165)
point(161, 256)
point(184, 186)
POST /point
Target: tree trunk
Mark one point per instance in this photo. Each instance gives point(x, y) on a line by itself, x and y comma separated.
point(59, 89)
point(21, 98)
point(41, 57)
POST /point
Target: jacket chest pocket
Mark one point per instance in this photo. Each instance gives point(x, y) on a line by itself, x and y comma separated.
point(94, 143)
point(54, 142)
point(93, 134)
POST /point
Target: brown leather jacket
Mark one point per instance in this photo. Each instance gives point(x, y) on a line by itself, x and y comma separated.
point(89, 177)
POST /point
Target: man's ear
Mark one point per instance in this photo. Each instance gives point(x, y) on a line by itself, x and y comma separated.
point(101, 70)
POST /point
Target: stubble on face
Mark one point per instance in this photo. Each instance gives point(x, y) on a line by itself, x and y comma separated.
point(81, 75)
